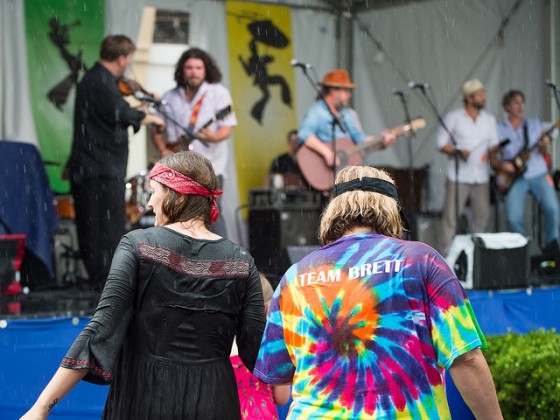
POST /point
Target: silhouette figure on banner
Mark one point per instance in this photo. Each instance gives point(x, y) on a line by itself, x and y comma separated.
point(264, 32)
point(60, 36)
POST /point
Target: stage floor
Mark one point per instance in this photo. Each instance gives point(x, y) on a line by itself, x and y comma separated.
point(50, 303)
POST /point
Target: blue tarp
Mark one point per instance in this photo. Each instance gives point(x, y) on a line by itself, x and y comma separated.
point(31, 349)
point(26, 199)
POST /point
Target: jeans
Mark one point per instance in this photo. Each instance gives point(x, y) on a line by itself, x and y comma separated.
point(542, 189)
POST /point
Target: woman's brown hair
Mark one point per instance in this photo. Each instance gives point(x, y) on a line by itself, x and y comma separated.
point(179, 207)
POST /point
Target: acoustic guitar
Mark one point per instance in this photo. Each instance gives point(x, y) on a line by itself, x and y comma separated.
point(320, 175)
point(504, 180)
point(185, 140)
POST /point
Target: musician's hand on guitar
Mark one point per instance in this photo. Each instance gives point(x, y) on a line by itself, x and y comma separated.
point(463, 154)
point(205, 134)
point(389, 138)
point(214, 136)
point(545, 144)
point(508, 167)
point(329, 157)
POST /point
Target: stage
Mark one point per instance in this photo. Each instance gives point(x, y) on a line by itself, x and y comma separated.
point(37, 329)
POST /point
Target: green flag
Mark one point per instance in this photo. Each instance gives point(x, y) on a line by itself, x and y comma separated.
point(62, 40)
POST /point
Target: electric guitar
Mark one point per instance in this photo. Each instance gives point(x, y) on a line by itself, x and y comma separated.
point(504, 180)
point(320, 175)
point(185, 140)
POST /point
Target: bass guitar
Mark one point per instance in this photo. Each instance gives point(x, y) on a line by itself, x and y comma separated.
point(320, 175)
point(184, 141)
point(504, 180)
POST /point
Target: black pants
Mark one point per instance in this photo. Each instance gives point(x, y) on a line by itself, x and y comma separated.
point(100, 223)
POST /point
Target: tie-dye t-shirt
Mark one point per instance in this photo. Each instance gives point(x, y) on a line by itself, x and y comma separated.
point(364, 327)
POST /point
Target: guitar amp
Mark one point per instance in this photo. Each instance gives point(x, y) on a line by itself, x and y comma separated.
point(284, 199)
point(279, 219)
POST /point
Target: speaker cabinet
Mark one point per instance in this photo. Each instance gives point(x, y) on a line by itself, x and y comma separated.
point(487, 261)
point(273, 230)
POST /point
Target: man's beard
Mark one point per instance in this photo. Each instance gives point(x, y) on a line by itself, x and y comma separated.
point(479, 105)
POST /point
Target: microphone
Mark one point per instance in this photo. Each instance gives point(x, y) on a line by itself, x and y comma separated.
point(549, 83)
point(415, 85)
point(296, 63)
point(150, 99)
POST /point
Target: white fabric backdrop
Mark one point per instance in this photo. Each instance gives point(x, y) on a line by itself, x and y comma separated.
point(439, 43)
point(16, 123)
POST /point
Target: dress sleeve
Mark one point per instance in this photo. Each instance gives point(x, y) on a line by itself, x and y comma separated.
point(251, 324)
point(98, 346)
point(453, 325)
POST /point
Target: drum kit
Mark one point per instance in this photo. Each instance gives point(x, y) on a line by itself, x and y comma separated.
point(137, 195)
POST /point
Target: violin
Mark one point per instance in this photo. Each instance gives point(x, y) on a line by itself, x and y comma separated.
point(129, 87)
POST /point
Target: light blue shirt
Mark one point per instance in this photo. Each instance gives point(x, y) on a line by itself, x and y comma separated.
point(536, 165)
point(318, 121)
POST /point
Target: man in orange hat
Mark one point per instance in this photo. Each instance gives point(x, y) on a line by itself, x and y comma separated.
point(330, 119)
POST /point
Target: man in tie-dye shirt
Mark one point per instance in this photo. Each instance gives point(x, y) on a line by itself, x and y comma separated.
point(365, 326)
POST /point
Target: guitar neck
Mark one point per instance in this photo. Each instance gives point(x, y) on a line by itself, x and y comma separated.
point(546, 133)
point(368, 147)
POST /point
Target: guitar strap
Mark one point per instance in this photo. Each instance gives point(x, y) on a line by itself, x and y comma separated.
point(342, 120)
point(195, 112)
point(525, 137)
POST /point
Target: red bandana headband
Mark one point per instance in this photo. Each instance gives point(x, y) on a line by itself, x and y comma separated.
point(183, 185)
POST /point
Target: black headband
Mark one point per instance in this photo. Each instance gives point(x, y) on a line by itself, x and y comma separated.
point(373, 185)
point(368, 184)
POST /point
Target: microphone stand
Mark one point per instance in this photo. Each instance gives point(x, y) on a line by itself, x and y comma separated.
point(189, 134)
point(335, 120)
point(412, 220)
point(555, 90)
point(454, 141)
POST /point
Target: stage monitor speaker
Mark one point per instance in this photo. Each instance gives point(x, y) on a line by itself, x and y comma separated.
point(273, 230)
point(486, 261)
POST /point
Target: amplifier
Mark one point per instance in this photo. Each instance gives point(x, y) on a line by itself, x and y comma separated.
point(273, 230)
point(490, 260)
point(284, 199)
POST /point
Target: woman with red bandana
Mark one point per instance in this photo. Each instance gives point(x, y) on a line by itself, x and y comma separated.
point(175, 297)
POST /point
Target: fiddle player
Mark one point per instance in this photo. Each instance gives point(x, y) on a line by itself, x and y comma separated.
point(526, 135)
point(97, 165)
point(198, 99)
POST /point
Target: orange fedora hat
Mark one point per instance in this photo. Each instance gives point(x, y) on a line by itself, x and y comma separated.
point(338, 79)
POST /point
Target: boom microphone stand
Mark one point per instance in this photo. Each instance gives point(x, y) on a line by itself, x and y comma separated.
point(189, 134)
point(335, 120)
point(411, 217)
point(457, 155)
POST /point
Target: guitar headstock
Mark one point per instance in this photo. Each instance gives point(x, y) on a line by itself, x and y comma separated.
point(407, 129)
point(224, 112)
